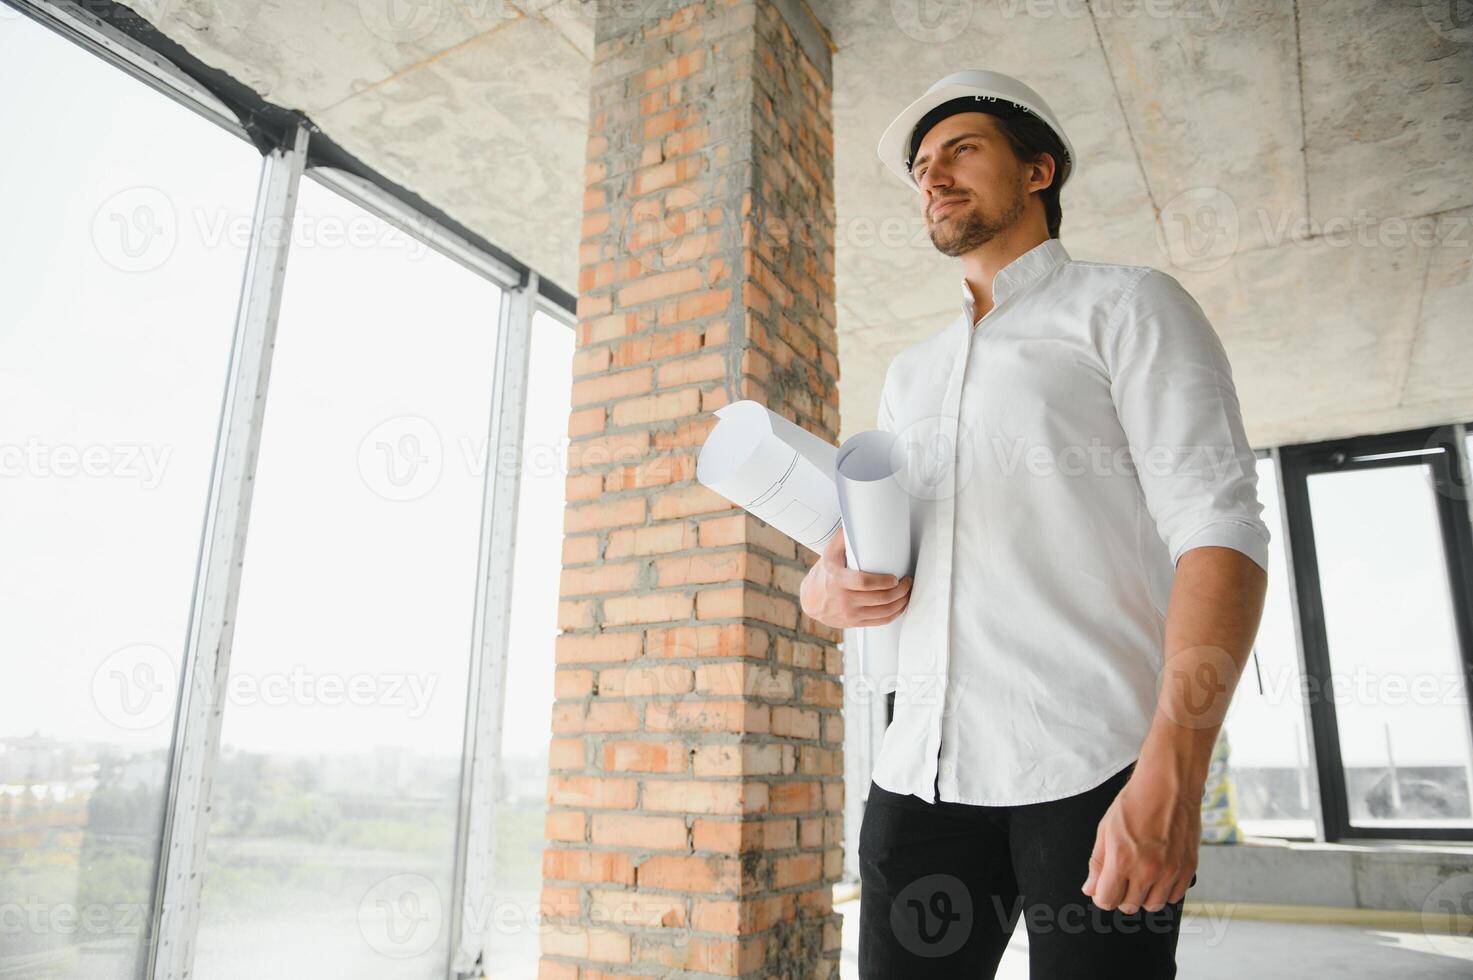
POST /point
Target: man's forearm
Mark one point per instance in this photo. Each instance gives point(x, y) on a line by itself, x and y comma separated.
point(1213, 616)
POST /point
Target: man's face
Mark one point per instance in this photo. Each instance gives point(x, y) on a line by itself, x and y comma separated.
point(972, 185)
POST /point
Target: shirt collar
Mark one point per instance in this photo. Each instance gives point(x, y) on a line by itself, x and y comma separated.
point(1025, 269)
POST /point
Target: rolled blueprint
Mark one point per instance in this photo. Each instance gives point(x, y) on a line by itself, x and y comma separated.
point(773, 469)
point(876, 513)
point(808, 489)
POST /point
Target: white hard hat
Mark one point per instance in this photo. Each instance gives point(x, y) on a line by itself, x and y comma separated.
point(992, 91)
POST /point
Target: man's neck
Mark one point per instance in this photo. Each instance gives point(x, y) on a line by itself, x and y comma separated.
point(981, 265)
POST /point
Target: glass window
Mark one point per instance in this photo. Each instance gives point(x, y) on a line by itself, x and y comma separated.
point(1269, 758)
point(522, 796)
point(126, 217)
point(1400, 701)
point(332, 840)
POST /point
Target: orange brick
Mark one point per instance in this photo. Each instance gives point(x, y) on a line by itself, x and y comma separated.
point(794, 722)
point(711, 875)
point(598, 648)
point(796, 797)
point(591, 791)
point(581, 549)
point(706, 716)
point(659, 680)
point(615, 447)
point(606, 945)
point(567, 753)
point(745, 680)
point(560, 901)
point(608, 387)
point(654, 540)
point(707, 641)
point(638, 909)
point(694, 796)
point(586, 422)
point(658, 407)
point(599, 579)
point(572, 683)
point(659, 286)
point(638, 830)
point(655, 608)
point(747, 604)
point(795, 870)
point(729, 566)
point(632, 756)
point(565, 825)
point(687, 501)
point(577, 864)
point(612, 513)
point(691, 370)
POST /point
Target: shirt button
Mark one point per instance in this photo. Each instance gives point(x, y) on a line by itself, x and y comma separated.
point(947, 770)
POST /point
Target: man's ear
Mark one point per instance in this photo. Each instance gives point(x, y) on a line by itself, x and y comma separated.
point(1041, 172)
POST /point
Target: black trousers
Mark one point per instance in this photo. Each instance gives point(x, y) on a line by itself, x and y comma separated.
point(943, 885)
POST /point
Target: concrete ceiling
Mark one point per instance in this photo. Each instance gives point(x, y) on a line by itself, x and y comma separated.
point(1305, 169)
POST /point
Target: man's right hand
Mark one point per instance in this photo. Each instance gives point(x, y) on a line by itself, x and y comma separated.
point(843, 597)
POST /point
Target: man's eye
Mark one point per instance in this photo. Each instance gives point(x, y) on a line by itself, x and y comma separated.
point(964, 146)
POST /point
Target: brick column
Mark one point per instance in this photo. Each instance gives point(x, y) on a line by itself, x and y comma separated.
point(696, 792)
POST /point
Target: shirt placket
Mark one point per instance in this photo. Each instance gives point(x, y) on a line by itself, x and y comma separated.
point(946, 541)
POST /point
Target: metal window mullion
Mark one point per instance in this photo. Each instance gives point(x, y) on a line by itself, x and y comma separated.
point(206, 663)
point(1318, 810)
point(480, 764)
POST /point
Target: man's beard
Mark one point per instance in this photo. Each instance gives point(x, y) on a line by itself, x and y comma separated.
point(958, 234)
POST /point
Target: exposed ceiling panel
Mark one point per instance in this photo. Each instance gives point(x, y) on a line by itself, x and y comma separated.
point(480, 107)
point(1289, 162)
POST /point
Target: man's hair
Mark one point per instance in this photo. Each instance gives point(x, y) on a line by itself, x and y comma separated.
point(1030, 137)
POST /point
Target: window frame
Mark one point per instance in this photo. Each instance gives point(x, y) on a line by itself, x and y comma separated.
point(303, 151)
point(1449, 464)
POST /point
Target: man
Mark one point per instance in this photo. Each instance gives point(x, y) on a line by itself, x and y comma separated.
point(1090, 573)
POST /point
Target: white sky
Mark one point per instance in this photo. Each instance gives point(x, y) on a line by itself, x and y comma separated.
point(120, 344)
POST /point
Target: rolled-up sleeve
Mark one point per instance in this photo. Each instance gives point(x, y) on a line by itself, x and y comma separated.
point(1174, 395)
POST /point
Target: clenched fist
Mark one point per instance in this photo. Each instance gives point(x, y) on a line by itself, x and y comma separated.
point(843, 597)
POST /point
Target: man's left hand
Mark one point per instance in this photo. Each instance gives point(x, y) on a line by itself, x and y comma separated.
point(1145, 850)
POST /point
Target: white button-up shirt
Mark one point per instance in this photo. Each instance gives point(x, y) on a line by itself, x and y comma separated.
point(1064, 451)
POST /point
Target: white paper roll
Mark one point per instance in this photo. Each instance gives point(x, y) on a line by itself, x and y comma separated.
point(808, 489)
